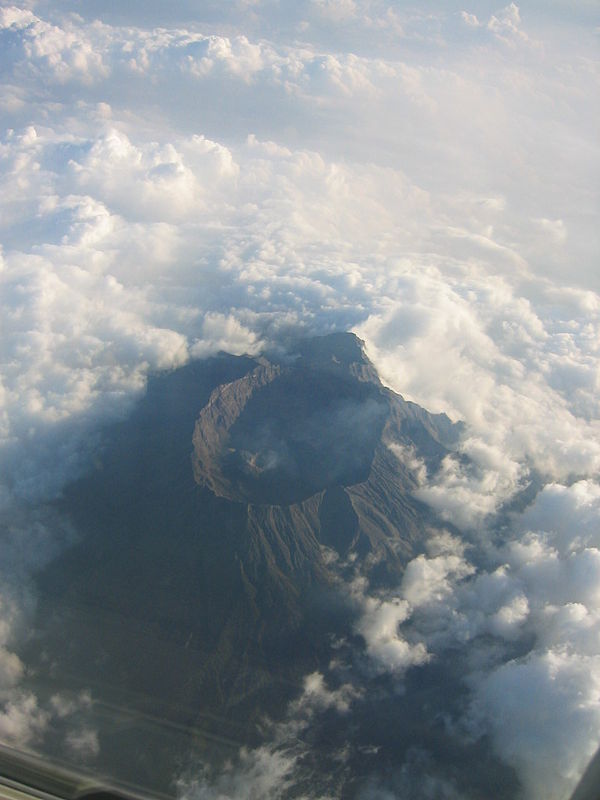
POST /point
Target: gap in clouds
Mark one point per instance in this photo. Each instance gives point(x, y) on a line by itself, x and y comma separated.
point(172, 187)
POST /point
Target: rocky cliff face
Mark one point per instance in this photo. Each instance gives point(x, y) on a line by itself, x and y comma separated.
point(312, 443)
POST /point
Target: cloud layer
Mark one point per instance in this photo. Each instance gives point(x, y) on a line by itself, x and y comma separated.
point(529, 622)
point(221, 179)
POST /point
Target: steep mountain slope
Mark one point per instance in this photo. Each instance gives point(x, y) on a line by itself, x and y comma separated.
point(318, 428)
point(215, 526)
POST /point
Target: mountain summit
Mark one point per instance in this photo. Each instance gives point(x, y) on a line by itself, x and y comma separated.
point(287, 431)
point(290, 429)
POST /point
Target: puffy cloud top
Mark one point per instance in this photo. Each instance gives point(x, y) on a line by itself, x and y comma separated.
point(174, 183)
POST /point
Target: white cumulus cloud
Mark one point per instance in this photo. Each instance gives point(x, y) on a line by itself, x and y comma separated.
point(183, 181)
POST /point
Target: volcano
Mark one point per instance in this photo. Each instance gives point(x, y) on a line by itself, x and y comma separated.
point(215, 527)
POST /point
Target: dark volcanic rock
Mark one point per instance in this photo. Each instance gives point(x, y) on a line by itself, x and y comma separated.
point(320, 424)
point(202, 588)
point(280, 435)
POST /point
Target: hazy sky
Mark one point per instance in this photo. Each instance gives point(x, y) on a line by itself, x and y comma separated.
point(183, 177)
